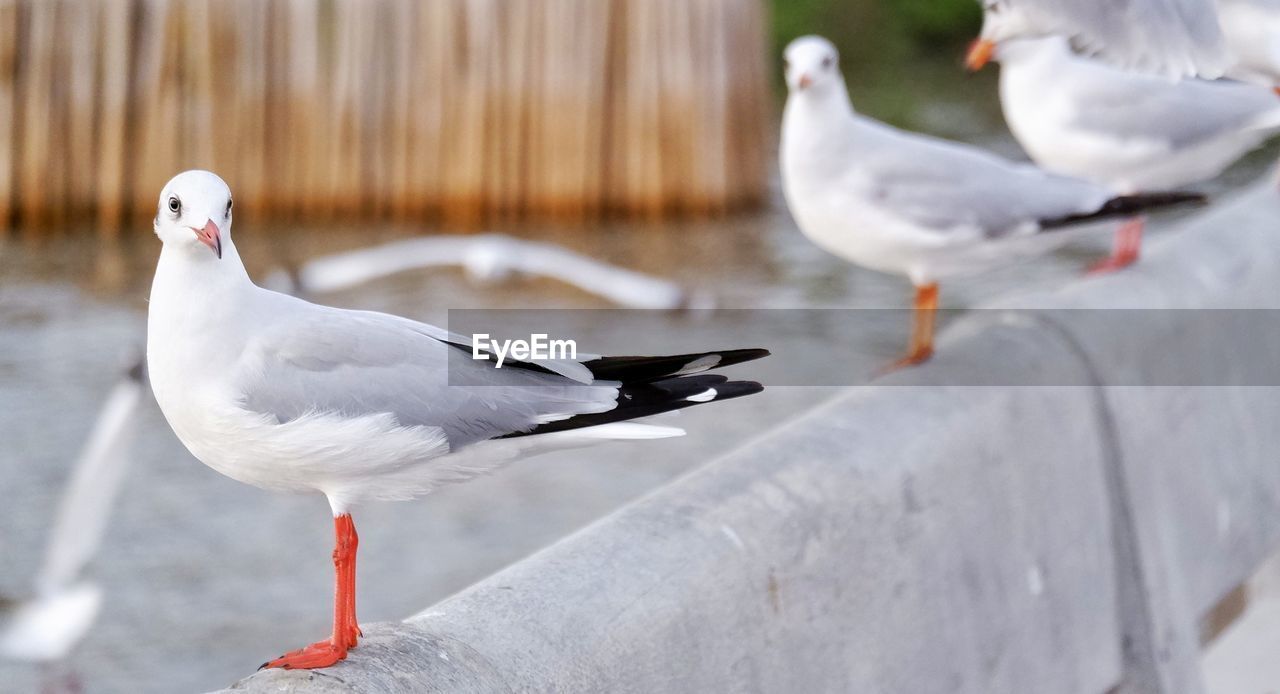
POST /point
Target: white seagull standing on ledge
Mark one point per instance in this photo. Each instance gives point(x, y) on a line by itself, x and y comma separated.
point(914, 205)
point(1131, 132)
point(291, 396)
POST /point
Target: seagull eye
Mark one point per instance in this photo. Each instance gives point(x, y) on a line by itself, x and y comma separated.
point(175, 205)
point(826, 63)
point(228, 207)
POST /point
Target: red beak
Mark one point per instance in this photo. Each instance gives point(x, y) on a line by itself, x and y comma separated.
point(805, 81)
point(210, 236)
point(980, 52)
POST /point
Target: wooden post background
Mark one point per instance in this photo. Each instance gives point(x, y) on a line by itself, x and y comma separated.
point(461, 110)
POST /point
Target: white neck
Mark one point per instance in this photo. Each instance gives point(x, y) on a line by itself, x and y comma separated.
point(195, 293)
point(818, 127)
point(181, 267)
point(826, 104)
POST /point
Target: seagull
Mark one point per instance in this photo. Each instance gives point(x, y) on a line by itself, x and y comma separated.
point(1173, 38)
point(1252, 32)
point(63, 606)
point(359, 406)
point(488, 257)
point(1131, 132)
point(907, 204)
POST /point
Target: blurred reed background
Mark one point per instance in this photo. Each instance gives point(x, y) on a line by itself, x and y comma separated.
point(464, 110)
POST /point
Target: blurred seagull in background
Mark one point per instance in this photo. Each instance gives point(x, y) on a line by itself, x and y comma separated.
point(287, 395)
point(1252, 32)
point(63, 606)
point(913, 205)
point(1174, 38)
point(1128, 131)
point(488, 257)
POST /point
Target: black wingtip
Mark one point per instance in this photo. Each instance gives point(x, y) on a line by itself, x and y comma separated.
point(1144, 201)
point(1128, 206)
point(740, 355)
point(636, 369)
point(737, 389)
point(737, 356)
point(645, 399)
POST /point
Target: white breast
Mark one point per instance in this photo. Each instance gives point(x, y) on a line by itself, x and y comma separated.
point(830, 200)
point(1040, 106)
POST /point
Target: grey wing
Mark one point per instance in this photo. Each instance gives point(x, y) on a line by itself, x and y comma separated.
point(1169, 37)
point(1180, 114)
point(962, 190)
point(355, 364)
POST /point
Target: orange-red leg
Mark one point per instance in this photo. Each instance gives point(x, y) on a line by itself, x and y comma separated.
point(923, 316)
point(1127, 246)
point(345, 629)
point(353, 542)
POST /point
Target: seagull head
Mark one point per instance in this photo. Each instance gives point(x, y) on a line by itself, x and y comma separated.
point(811, 64)
point(194, 213)
point(1002, 20)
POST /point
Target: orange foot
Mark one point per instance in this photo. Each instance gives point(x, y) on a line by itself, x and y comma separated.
point(317, 655)
point(1117, 261)
point(353, 633)
point(915, 358)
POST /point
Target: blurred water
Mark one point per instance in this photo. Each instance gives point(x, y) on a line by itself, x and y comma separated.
point(206, 578)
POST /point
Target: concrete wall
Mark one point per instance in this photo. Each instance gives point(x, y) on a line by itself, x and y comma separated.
point(1045, 539)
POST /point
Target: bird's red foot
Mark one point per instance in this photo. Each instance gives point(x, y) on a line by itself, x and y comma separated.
point(1128, 245)
point(915, 358)
point(1117, 261)
point(317, 655)
point(346, 630)
point(353, 634)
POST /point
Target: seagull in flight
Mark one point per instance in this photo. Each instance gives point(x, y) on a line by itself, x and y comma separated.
point(917, 206)
point(291, 396)
point(487, 257)
point(46, 625)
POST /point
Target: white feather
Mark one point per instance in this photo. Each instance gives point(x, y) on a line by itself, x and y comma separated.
point(705, 396)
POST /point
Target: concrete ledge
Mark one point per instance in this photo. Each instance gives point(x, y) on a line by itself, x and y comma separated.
point(916, 539)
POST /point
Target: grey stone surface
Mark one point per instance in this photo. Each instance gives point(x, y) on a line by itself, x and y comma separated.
point(911, 538)
point(856, 550)
point(1199, 470)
